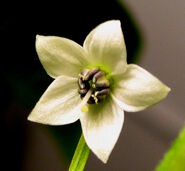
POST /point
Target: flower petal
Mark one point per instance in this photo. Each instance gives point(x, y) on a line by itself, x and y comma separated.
point(60, 56)
point(137, 89)
point(105, 45)
point(60, 104)
point(101, 127)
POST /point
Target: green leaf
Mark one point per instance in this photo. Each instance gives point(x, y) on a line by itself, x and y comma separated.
point(174, 159)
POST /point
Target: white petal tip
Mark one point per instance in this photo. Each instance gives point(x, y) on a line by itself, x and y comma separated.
point(104, 160)
point(168, 89)
point(37, 36)
point(102, 156)
point(31, 118)
point(39, 39)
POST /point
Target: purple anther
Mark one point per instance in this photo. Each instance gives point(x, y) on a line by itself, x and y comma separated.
point(97, 75)
point(81, 84)
point(90, 73)
point(102, 92)
point(102, 85)
point(82, 91)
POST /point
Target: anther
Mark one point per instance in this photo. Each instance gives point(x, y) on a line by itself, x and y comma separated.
point(96, 81)
point(90, 73)
point(102, 83)
point(81, 84)
point(82, 91)
point(97, 75)
point(102, 92)
point(80, 75)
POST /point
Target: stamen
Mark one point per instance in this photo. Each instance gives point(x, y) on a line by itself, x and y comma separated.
point(95, 98)
point(94, 82)
point(82, 91)
point(80, 83)
point(97, 75)
point(102, 85)
point(90, 73)
point(80, 75)
point(102, 92)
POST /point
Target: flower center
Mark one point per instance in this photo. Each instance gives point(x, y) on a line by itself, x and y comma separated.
point(96, 80)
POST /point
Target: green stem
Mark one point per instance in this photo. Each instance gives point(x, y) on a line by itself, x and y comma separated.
point(80, 156)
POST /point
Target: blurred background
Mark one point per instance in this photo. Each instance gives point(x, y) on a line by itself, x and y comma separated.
point(155, 37)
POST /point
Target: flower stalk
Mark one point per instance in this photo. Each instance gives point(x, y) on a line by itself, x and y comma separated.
point(80, 156)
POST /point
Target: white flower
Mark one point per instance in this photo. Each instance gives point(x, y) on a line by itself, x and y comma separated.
point(95, 84)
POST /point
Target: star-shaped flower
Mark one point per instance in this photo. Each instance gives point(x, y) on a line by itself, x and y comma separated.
point(95, 84)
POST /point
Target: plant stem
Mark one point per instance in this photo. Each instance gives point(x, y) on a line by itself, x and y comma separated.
point(80, 156)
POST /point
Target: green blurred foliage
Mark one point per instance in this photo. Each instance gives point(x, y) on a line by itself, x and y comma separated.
point(174, 159)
